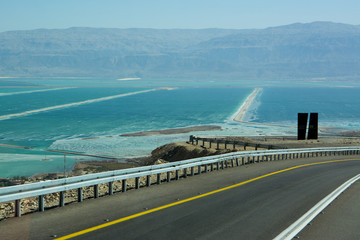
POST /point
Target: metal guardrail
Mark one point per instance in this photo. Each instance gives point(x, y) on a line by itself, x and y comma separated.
point(234, 143)
point(203, 164)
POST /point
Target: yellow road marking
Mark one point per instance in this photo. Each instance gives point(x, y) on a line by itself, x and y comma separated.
point(191, 199)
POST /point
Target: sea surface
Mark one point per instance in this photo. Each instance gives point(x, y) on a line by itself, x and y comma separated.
point(88, 115)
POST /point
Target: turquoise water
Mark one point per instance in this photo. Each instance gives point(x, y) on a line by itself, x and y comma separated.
point(71, 127)
point(337, 107)
point(94, 128)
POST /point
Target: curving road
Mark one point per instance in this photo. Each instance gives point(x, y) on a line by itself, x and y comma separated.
point(260, 207)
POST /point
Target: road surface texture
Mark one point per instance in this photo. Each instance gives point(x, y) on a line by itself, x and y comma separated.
point(259, 209)
point(340, 220)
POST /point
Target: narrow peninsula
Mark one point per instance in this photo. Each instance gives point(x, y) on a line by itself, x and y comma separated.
point(245, 106)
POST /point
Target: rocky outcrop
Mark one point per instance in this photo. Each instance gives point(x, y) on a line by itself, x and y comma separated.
point(173, 152)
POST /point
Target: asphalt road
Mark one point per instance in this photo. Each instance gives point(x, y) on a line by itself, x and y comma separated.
point(259, 209)
point(340, 220)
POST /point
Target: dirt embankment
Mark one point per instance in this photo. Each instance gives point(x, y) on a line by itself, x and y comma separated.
point(178, 151)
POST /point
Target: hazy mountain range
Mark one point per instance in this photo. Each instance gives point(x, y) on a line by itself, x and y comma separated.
point(298, 51)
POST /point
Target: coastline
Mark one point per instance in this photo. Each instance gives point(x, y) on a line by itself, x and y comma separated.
point(245, 106)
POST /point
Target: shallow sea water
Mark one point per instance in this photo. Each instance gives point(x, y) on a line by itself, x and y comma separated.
point(94, 128)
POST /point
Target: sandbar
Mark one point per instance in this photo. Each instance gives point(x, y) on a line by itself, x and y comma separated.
point(13, 115)
point(128, 79)
point(245, 106)
point(172, 131)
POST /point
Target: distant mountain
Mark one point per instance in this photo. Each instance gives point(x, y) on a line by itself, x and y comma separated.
point(297, 51)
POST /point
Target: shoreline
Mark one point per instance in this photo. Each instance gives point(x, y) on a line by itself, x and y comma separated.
point(245, 106)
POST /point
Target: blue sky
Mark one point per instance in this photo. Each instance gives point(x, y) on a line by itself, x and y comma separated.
point(238, 14)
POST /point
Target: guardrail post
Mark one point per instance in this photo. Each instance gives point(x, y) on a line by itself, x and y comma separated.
point(243, 161)
point(148, 180)
point(217, 165)
point(226, 163)
point(199, 169)
point(206, 167)
point(222, 164)
point(234, 145)
point(185, 172)
point(18, 208)
point(203, 140)
point(96, 190)
point(212, 167)
point(62, 199)
point(225, 144)
point(168, 176)
point(237, 162)
point(123, 185)
point(158, 181)
point(111, 188)
point(41, 203)
point(137, 183)
point(217, 145)
point(210, 143)
point(232, 162)
point(80, 194)
point(177, 174)
point(192, 171)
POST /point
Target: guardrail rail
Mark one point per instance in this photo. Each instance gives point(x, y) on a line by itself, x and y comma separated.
point(190, 167)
